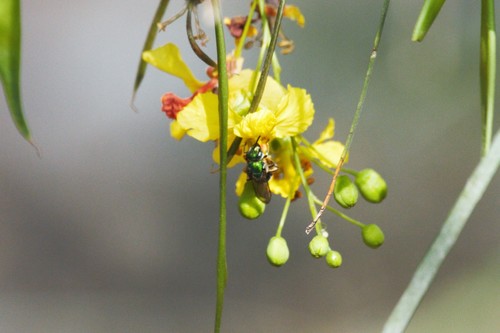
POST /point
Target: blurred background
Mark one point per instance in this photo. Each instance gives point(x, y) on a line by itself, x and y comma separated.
point(115, 228)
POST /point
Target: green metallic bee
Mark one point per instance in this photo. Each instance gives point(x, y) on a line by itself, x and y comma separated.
point(260, 169)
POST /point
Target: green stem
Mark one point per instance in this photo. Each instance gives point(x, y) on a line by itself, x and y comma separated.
point(223, 122)
point(451, 229)
point(357, 114)
point(259, 91)
point(284, 214)
point(248, 23)
point(310, 196)
point(342, 215)
point(263, 77)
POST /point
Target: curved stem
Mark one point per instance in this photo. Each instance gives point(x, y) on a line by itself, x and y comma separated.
point(357, 115)
point(192, 41)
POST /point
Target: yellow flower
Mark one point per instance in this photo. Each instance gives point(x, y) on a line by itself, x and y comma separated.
point(286, 181)
point(324, 149)
point(281, 112)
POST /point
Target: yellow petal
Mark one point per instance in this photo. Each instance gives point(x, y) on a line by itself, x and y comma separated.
point(253, 125)
point(168, 59)
point(176, 131)
point(293, 13)
point(240, 183)
point(295, 113)
point(328, 132)
point(200, 118)
point(236, 158)
point(287, 182)
point(273, 92)
point(328, 152)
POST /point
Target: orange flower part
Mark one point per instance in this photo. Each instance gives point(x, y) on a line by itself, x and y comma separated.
point(172, 104)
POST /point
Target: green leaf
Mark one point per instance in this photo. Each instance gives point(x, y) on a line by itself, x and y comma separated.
point(10, 62)
point(487, 70)
point(472, 192)
point(429, 12)
point(148, 44)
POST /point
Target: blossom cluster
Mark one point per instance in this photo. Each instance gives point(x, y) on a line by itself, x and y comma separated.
point(275, 155)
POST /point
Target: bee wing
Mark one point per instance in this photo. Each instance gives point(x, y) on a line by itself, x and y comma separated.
point(262, 191)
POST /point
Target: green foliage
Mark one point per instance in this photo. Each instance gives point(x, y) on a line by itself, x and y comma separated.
point(10, 62)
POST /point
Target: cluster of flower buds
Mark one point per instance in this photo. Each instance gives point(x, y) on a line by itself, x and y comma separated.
point(372, 187)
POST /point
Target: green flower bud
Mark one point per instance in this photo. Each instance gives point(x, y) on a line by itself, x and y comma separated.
point(346, 193)
point(372, 235)
point(371, 185)
point(333, 259)
point(318, 246)
point(249, 205)
point(277, 251)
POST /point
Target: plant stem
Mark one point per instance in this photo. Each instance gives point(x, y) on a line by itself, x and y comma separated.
point(223, 121)
point(263, 76)
point(307, 189)
point(342, 215)
point(451, 229)
point(357, 115)
point(248, 23)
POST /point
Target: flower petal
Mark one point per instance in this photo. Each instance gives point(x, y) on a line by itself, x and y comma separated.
point(240, 183)
point(328, 152)
point(293, 13)
point(200, 118)
point(168, 59)
point(273, 92)
point(176, 131)
point(253, 125)
point(295, 113)
point(328, 132)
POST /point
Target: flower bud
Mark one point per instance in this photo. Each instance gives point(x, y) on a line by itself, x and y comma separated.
point(346, 193)
point(249, 205)
point(372, 235)
point(333, 259)
point(277, 251)
point(318, 246)
point(371, 185)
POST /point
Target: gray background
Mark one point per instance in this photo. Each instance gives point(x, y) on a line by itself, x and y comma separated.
point(114, 229)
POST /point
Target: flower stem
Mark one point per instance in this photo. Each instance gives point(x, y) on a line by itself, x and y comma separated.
point(192, 40)
point(342, 215)
point(263, 77)
point(248, 23)
point(357, 115)
point(223, 121)
point(283, 215)
point(259, 91)
point(310, 196)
